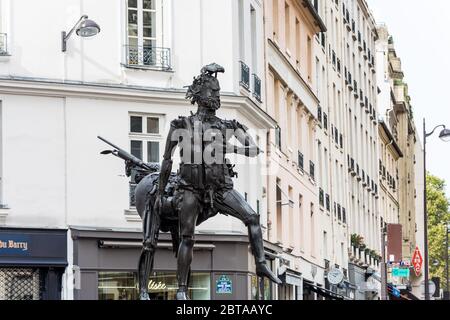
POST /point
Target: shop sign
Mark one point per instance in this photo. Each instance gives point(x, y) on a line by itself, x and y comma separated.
point(224, 285)
point(417, 262)
point(400, 273)
point(13, 244)
point(156, 286)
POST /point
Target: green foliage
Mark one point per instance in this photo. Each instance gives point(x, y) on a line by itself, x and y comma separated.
point(438, 218)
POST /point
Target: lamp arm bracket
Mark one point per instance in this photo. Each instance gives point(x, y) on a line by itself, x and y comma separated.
point(429, 134)
point(74, 27)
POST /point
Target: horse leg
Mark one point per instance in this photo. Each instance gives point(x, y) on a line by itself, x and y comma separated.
point(151, 225)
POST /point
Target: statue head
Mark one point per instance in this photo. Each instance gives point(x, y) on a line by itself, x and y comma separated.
point(205, 89)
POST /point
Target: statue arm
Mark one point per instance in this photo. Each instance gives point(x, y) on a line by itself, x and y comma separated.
point(166, 166)
point(250, 148)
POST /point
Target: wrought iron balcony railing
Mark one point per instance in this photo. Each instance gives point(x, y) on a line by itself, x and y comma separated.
point(257, 87)
point(3, 44)
point(245, 75)
point(148, 56)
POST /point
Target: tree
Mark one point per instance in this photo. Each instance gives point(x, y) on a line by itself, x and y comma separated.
point(438, 218)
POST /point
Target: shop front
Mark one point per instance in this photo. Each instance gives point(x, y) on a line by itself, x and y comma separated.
point(32, 262)
point(105, 264)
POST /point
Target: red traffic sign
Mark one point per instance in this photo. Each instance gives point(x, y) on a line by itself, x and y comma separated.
point(417, 261)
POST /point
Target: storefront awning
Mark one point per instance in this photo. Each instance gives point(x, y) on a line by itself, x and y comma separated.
point(292, 278)
point(324, 292)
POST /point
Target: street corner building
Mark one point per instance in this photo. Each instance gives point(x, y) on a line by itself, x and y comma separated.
point(341, 165)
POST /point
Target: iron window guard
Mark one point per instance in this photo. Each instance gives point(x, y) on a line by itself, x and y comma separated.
point(148, 56)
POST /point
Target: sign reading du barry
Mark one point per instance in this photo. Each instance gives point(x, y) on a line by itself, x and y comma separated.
point(14, 244)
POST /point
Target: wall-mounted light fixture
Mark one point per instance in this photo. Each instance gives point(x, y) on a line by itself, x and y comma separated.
point(84, 28)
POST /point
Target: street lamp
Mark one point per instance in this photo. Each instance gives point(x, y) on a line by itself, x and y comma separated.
point(444, 136)
point(85, 28)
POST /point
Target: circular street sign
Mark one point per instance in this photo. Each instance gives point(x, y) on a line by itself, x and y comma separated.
point(335, 276)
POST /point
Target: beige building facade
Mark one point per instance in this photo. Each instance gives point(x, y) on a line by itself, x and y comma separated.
point(293, 201)
point(406, 181)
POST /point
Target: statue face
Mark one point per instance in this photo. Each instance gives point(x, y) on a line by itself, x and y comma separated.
point(209, 95)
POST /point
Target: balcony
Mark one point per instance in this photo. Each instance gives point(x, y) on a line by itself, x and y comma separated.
point(148, 57)
point(3, 44)
point(245, 76)
point(257, 87)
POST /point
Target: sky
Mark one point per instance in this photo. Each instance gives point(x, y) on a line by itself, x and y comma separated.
point(421, 32)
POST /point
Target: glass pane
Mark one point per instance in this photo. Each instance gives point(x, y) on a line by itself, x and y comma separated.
point(149, 4)
point(132, 3)
point(163, 286)
point(136, 124)
point(136, 149)
point(153, 151)
point(133, 42)
point(132, 30)
point(149, 32)
point(117, 286)
point(132, 16)
point(148, 18)
point(149, 43)
point(152, 125)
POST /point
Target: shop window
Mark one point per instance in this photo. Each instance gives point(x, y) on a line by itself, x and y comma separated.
point(161, 285)
point(256, 293)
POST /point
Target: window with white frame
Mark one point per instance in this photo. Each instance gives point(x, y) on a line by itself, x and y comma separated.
point(145, 34)
point(3, 28)
point(145, 140)
point(145, 137)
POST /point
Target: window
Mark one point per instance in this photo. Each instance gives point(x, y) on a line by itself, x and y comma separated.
point(145, 137)
point(278, 137)
point(145, 141)
point(145, 34)
point(161, 286)
point(287, 28)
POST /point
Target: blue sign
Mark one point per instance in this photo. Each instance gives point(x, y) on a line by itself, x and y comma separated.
point(14, 244)
point(400, 273)
point(394, 291)
point(224, 285)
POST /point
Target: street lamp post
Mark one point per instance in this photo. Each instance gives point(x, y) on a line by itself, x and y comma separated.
point(445, 136)
point(447, 291)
